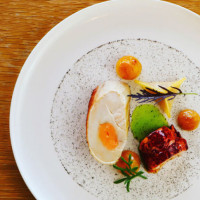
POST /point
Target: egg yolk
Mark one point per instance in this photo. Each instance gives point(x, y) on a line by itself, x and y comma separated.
point(128, 67)
point(188, 119)
point(108, 136)
point(134, 158)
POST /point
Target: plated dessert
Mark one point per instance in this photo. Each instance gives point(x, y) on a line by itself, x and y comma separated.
point(85, 158)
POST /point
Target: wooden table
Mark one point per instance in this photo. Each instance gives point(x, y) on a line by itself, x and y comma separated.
point(22, 24)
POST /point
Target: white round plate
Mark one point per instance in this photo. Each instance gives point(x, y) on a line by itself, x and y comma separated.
point(44, 69)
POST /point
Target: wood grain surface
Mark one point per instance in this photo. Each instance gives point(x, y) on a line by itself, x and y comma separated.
point(22, 24)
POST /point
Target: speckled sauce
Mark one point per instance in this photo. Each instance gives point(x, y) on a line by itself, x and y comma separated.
point(68, 118)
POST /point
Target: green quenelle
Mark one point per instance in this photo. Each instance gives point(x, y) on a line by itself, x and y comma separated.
point(146, 119)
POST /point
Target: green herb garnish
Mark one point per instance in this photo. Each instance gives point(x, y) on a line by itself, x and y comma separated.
point(157, 96)
point(129, 173)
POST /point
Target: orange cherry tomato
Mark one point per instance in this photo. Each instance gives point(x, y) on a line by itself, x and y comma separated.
point(128, 67)
point(188, 119)
point(134, 158)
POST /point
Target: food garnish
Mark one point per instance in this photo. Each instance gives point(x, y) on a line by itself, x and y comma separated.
point(149, 95)
point(129, 172)
point(108, 121)
point(188, 119)
point(128, 67)
point(160, 146)
point(145, 119)
point(134, 158)
point(165, 105)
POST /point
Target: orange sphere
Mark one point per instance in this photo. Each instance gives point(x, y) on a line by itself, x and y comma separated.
point(134, 157)
point(128, 67)
point(108, 136)
point(188, 119)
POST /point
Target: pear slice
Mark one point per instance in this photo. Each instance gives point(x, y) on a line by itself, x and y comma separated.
point(165, 105)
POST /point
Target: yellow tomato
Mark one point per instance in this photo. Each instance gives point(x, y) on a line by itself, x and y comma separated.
point(128, 67)
point(188, 119)
point(134, 158)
